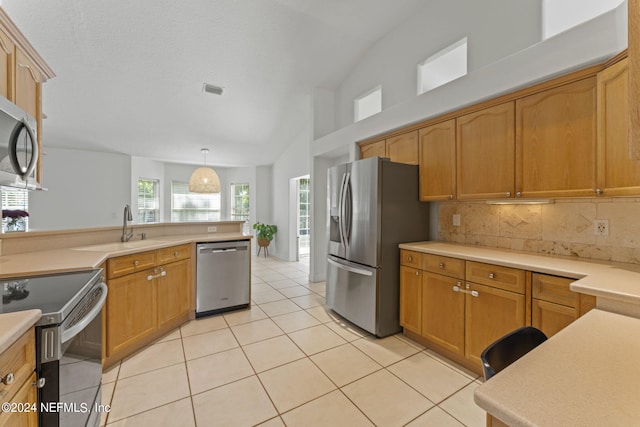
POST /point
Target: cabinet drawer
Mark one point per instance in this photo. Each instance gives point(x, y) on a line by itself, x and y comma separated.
point(452, 267)
point(411, 258)
point(509, 279)
point(19, 360)
point(554, 289)
point(128, 264)
point(174, 253)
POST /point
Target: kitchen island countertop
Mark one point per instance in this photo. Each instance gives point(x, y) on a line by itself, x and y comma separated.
point(585, 375)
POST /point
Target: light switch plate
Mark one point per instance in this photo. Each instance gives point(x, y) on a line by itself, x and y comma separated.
point(456, 220)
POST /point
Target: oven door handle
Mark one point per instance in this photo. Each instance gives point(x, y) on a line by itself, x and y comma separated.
point(68, 334)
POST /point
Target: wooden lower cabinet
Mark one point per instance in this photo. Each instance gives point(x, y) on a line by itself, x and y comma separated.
point(174, 296)
point(131, 310)
point(490, 313)
point(411, 299)
point(27, 394)
point(443, 312)
point(144, 304)
point(550, 317)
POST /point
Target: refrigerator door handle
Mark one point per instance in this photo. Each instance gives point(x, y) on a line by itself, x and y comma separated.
point(348, 209)
point(341, 210)
point(345, 209)
point(350, 268)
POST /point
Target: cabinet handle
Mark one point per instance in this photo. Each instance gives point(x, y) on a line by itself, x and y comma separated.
point(151, 276)
point(599, 191)
point(417, 273)
point(409, 258)
point(450, 196)
point(136, 263)
point(474, 294)
point(491, 275)
point(518, 194)
point(8, 379)
point(441, 265)
point(39, 383)
point(508, 194)
point(175, 254)
point(456, 288)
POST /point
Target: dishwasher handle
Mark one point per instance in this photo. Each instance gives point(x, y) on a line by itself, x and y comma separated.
point(215, 251)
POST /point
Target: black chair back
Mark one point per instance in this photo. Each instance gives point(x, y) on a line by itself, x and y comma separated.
point(506, 350)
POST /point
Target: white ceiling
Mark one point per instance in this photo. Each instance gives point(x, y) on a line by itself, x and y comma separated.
point(130, 73)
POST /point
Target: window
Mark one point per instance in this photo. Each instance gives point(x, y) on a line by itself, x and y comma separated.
point(447, 65)
point(560, 15)
point(368, 104)
point(239, 202)
point(15, 199)
point(186, 206)
point(148, 201)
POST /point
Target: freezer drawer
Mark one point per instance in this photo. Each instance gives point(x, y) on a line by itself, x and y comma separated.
point(352, 292)
point(223, 276)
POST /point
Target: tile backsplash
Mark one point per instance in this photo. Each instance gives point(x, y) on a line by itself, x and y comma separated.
point(565, 227)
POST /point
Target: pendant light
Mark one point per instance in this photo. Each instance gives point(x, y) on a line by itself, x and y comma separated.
point(204, 179)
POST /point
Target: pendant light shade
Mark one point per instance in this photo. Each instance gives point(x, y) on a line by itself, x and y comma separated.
point(204, 179)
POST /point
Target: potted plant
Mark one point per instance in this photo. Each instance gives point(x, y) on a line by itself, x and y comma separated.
point(264, 233)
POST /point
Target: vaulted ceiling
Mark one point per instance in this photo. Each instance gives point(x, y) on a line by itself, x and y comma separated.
point(130, 73)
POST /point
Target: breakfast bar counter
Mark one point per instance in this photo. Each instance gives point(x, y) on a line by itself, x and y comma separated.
point(586, 375)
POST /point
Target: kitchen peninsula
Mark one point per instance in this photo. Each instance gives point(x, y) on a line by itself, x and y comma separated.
point(166, 255)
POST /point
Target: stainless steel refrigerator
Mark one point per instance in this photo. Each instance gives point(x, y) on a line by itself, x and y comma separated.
point(374, 206)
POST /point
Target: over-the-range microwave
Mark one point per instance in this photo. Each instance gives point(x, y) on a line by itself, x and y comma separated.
point(18, 147)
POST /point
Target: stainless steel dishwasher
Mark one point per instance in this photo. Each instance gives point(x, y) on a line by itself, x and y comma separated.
point(223, 277)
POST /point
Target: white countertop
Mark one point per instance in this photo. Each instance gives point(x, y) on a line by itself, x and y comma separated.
point(588, 374)
point(13, 325)
point(608, 280)
point(87, 257)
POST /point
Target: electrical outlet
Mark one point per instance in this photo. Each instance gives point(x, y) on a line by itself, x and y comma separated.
point(212, 229)
point(456, 220)
point(601, 227)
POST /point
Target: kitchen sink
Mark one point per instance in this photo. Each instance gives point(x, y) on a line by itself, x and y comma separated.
point(120, 246)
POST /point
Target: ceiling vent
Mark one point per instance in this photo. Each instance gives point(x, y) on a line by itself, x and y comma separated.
point(216, 90)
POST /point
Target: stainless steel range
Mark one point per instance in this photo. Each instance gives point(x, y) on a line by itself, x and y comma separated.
point(68, 342)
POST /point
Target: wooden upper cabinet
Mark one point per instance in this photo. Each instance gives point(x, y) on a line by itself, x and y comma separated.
point(618, 172)
point(437, 154)
point(556, 141)
point(28, 85)
point(403, 148)
point(375, 149)
point(485, 153)
point(7, 53)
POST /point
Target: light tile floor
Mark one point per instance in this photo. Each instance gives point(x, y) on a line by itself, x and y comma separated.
point(289, 360)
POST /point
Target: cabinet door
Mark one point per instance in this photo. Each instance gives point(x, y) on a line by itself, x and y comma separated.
point(7, 59)
point(550, 317)
point(27, 394)
point(490, 313)
point(403, 148)
point(131, 310)
point(437, 155)
point(485, 150)
point(618, 172)
point(443, 311)
point(556, 141)
point(375, 149)
point(28, 86)
point(411, 299)
point(174, 292)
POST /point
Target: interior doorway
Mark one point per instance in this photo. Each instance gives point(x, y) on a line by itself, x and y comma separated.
point(303, 214)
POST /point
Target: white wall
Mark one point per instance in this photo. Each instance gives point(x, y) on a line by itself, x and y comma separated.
point(85, 189)
point(264, 194)
point(143, 168)
point(560, 15)
point(495, 29)
point(292, 163)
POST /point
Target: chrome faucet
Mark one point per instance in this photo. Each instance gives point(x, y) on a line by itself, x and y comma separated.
point(126, 217)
